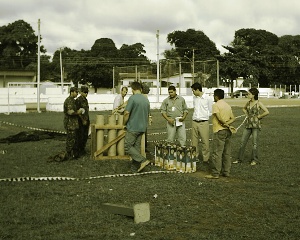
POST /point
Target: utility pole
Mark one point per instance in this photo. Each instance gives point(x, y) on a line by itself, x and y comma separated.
point(38, 69)
point(218, 77)
point(61, 72)
point(113, 90)
point(157, 67)
point(193, 65)
point(179, 76)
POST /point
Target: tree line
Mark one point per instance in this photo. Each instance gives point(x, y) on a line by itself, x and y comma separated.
point(259, 56)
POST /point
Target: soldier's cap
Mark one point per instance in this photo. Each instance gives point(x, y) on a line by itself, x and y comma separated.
point(73, 89)
point(84, 89)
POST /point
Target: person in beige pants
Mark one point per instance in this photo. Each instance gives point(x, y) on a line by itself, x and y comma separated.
point(200, 124)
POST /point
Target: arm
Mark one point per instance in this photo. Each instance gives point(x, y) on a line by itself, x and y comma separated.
point(223, 122)
point(169, 120)
point(265, 111)
point(126, 117)
point(183, 117)
point(185, 111)
point(245, 110)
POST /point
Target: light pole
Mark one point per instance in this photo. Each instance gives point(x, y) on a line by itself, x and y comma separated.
point(192, 64)
point(61, 72)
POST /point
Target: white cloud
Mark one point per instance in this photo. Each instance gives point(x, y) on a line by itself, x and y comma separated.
point(78, 23)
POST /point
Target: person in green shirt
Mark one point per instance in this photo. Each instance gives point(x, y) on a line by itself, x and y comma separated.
point(136, 116)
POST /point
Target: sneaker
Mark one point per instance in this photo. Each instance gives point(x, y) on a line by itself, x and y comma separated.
point(253, 163)
point(236, 162)
point(212, 177)
point(143, 165)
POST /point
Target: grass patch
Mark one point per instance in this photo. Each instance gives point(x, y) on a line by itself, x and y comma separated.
point(260, 202)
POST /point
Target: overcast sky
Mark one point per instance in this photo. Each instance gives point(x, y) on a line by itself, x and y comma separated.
point(78, 23)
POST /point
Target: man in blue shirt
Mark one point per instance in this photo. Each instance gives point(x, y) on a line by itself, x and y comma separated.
point(136, 116)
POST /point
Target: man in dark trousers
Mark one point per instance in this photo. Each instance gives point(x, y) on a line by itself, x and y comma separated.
point(83, 119)
point(71, 123)
point(136, 116)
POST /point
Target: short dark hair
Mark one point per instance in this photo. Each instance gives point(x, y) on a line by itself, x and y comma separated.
point(171, 88)
point(219, 93)
point(255, 92)
point(124, 87)
point(136, 86)
point(196, 86)
point(73, 89)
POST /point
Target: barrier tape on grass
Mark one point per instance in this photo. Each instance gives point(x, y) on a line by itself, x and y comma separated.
point(22, 179)
point(55, 131)
point(25, 179)
point(32, 128)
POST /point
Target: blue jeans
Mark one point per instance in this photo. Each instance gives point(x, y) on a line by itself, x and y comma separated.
point(245, 137)
point(221, 156)
point(132, 145)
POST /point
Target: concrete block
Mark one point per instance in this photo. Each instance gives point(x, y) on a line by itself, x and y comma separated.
point(140, 212)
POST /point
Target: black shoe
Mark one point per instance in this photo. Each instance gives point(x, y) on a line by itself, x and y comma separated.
point(134, 166)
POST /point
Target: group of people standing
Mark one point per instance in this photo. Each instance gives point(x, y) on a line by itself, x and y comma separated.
point(136, 111)
point(76, 122)
point(174, 110)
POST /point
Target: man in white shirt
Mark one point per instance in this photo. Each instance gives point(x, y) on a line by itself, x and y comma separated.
point(200, 124)
point(119, 104)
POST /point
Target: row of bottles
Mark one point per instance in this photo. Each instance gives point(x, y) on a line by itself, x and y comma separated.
point(174, 157)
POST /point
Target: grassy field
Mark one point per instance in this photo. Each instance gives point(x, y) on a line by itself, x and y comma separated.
point(260, 202)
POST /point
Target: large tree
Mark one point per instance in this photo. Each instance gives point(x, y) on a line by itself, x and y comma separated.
point(189, 42)
point(104, 48)
point(18, 45)
point(269, 59)
point(195, 50)
point(132, 54)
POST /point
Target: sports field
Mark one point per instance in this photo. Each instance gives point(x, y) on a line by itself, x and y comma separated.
point(256, 202)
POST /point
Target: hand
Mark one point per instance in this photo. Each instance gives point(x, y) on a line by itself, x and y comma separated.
point(171, 121)
point(82, 111)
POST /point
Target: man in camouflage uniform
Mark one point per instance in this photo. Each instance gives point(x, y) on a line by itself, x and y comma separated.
point(71, 123)
point(83, 120)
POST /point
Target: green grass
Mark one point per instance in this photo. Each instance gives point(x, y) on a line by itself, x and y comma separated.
point(260, 202)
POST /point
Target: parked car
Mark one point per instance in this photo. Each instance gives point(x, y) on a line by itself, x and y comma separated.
point(238, 93)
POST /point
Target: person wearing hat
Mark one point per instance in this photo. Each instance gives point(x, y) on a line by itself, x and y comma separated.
point(83, 119)
point(71, 113)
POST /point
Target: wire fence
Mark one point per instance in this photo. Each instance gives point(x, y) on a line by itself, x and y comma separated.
point(182, 73)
